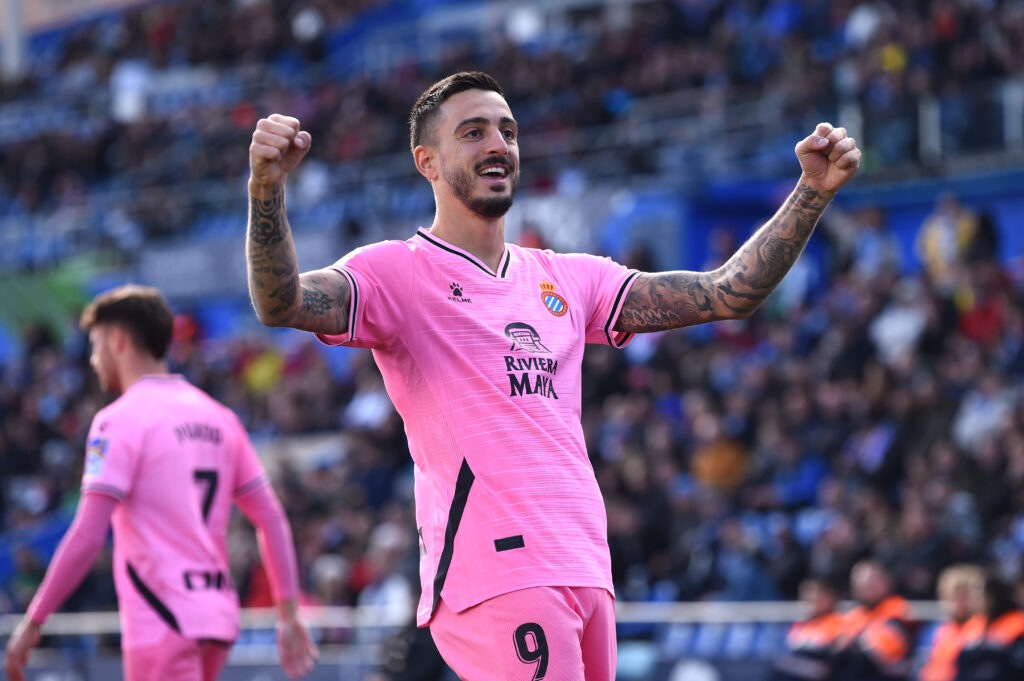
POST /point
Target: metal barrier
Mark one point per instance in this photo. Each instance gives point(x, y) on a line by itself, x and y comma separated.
point(705, 641)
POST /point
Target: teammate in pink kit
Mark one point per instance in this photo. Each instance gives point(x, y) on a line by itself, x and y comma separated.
point(480, 344)
point(164, 462)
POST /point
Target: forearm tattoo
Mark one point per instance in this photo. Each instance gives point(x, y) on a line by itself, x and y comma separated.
point(669, 300)
point(267, 222)
point(273, 271)
point(274, 280)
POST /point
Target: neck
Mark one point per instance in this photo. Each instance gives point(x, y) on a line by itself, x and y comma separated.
point(135, 368)
point(473, 233)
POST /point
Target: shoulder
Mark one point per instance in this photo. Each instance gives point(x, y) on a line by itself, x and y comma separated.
point(389, 250)
point(125, 420)
point(126, 408)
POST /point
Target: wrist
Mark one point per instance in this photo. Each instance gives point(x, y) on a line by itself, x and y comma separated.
point(815, 186)
point(264, 192)
point(287, 610)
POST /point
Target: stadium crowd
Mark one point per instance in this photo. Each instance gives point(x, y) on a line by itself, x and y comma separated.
point(148, 102)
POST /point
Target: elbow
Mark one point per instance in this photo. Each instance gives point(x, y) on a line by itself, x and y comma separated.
point(272, 318)
point(744, 312)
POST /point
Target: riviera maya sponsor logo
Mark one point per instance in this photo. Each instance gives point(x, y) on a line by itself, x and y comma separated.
point(456, 296)
point(554, 303)
point(529, 375)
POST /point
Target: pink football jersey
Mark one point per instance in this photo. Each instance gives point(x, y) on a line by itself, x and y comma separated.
point(175, 458)
point(484, 368)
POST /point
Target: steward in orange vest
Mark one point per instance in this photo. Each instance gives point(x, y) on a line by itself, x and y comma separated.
point(874, 643)
point(809, 643)
point(959, 586)
point(993, 646)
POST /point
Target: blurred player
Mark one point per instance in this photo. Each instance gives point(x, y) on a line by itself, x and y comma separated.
point(992, 647)
point(958, 586)
point(164, 461)
point(875, 640)
point(809, 644)
point(480, 343)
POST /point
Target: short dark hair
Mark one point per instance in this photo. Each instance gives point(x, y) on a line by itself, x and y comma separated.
point(142, 311)
point(424, 111)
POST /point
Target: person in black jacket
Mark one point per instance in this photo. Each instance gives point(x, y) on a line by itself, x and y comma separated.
point(809, 643)
point(993, 648)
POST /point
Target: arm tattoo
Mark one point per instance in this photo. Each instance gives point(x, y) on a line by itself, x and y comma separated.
point(274, 280)
point(669, 300)
point(267, 220)
point(315, 302)
point(273, 270)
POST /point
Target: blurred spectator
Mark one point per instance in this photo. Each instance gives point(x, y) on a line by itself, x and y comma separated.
point(943, 241)
point(993, 641)
point(959, 588)
point(875, 642)
point(809, 643)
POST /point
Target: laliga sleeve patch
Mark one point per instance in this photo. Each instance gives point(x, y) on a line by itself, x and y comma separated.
point(96, 455)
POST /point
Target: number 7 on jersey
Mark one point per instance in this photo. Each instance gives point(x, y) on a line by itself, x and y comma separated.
point(209, 478)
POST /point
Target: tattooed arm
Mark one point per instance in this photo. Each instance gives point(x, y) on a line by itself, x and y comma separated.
point(314, 301)
point(670, 300)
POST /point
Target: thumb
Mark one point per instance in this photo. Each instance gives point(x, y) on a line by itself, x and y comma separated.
point(298, 149)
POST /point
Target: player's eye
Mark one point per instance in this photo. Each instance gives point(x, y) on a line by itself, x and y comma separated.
point(473, 132)
point(510, 134)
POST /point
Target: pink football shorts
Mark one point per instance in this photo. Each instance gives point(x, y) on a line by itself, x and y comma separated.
point(556, 633)
point(176, 658)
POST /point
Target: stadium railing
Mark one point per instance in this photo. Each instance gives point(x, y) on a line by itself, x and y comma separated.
point(658, 641)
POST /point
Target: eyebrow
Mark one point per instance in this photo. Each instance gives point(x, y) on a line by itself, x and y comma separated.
point(480, 120)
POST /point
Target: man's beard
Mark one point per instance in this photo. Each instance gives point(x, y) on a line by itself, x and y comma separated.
point(462, 181)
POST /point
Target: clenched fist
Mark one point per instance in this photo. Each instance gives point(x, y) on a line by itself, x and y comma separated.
point(828, 158)
point(277, 147)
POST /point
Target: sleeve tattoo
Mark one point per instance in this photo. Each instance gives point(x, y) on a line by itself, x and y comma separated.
point(669, 300)
point(274, 281)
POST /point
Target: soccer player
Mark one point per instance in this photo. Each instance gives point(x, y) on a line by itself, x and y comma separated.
point(164, 462)
point(480, 344)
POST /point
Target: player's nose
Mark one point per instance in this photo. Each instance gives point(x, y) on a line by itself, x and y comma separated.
point(496, 142)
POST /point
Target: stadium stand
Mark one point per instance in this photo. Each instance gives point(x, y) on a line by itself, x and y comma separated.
point(872, 408)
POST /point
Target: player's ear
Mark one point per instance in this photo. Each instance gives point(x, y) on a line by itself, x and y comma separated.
point(426, 162)
point(117, 338)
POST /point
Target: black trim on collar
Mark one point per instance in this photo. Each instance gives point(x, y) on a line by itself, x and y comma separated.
point(503, 265)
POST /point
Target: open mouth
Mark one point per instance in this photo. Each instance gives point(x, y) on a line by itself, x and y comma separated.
point(494, 171)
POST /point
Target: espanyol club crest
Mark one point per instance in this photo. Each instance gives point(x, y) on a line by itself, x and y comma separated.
point(555, 303)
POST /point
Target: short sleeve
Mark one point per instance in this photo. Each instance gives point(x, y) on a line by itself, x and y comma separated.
point(380, 277)
point(602, 284)
point(110, 458)
point(249, 472)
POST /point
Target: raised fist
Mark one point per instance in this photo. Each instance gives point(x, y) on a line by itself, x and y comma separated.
point(277, 147)
point(828, 158)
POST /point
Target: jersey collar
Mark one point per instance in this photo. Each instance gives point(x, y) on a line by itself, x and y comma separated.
point(503, 264)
